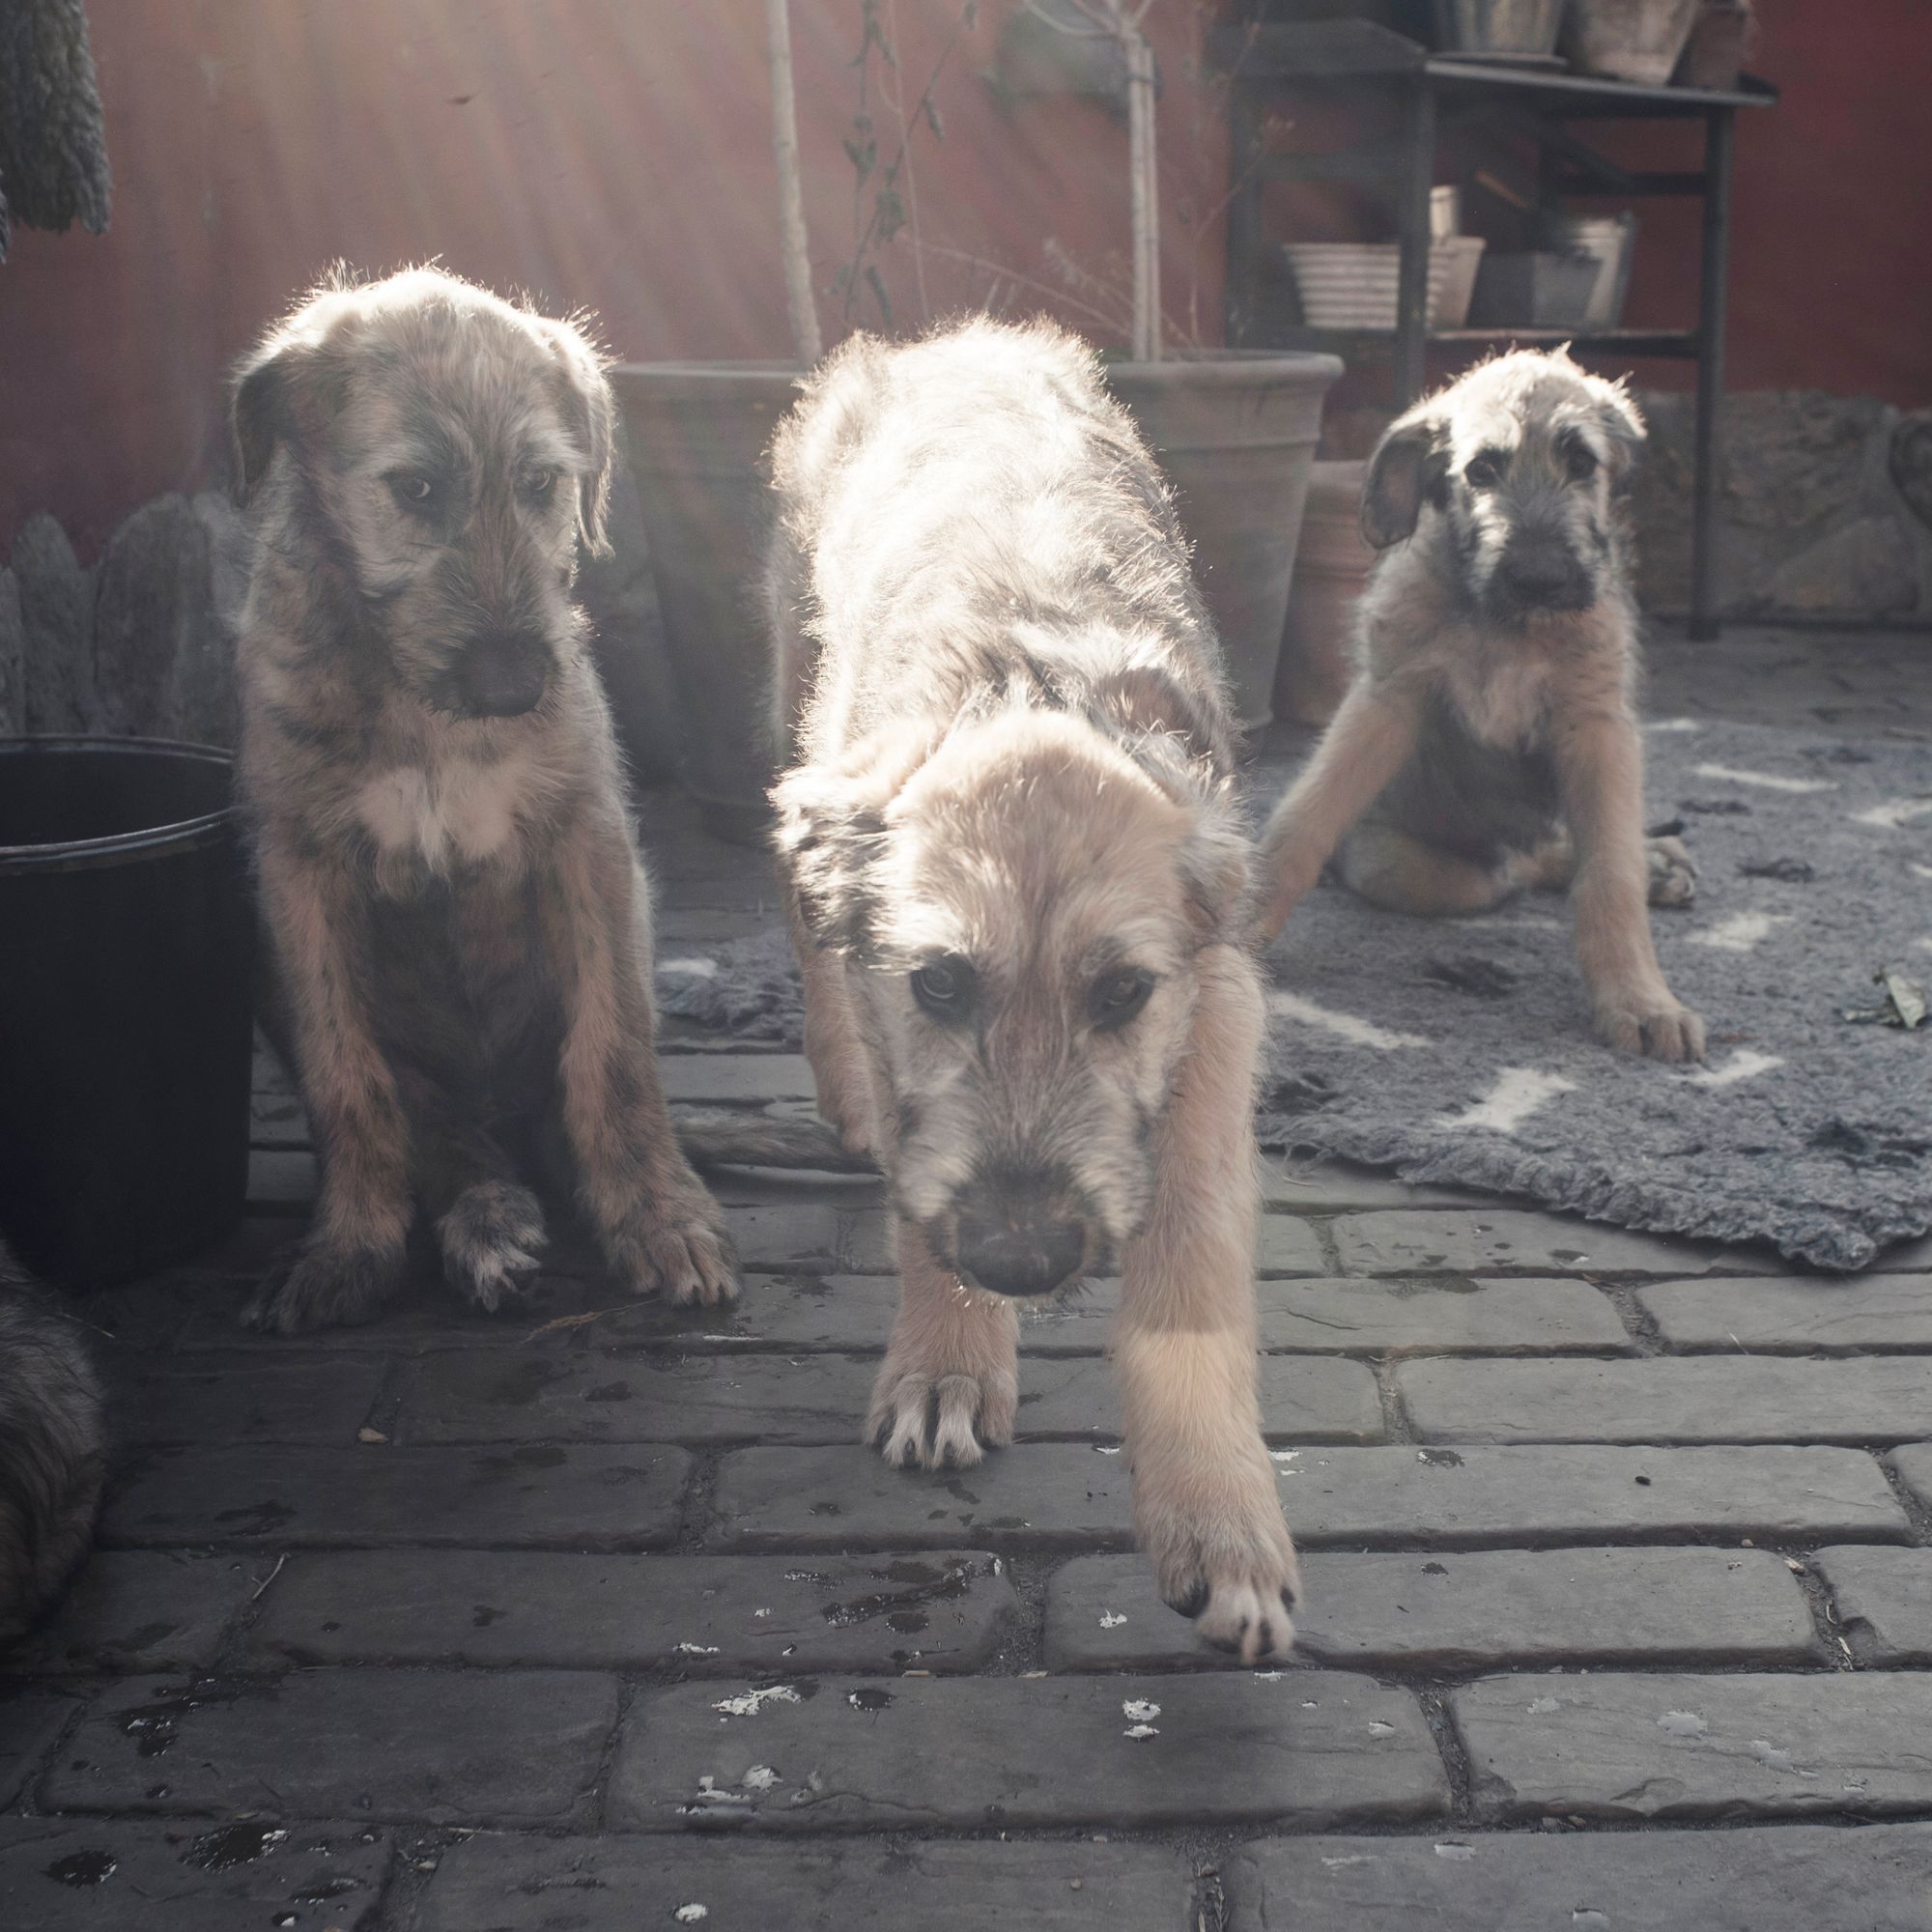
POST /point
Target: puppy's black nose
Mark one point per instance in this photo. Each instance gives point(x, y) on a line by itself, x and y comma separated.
point(502, 678)
point(1543, 576)
point(1025, 1257)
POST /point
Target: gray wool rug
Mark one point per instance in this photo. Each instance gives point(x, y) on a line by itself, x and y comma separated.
point(1460, 1051)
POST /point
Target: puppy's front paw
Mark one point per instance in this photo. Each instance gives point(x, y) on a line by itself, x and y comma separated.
point(1673, 872)
point(491, 1240)
point(324, 1287)
point(1654, 1024)
point(1233, 1572)
point(935, 1417)
point(678, 1248)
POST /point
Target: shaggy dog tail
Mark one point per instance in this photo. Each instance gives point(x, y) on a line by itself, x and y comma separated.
point(720, 1137)
point(53, 1448)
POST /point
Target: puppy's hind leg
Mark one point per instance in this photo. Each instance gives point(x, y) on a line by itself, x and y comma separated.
point(1205, 1501)
point(948, 1388)
point(1401, 873)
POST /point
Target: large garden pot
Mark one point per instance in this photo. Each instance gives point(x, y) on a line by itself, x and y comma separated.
point(1331, 571)
point(698, 434)
point(127, 945)
point(1236, 433)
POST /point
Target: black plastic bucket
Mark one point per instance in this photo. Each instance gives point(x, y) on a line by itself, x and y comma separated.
point(127, 948)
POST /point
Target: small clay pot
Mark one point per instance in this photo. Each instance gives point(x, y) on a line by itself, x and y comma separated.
point(1715, 55)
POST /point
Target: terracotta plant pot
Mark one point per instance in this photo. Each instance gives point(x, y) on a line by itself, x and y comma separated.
point(1331, 573)
point(1628, 40)
point(1235, 434)
point(698, 434)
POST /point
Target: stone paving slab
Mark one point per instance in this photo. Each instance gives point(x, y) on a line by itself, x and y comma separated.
point(31, 1718)
point(620, 1885)
point(1304, 1398)
point(146, 1610)
point(944, 1610)
point(529, 1395)
point(1744, 1880)
point(1076, 1498)
point(416, 1746)
point(1494, 1241)
point(1884, 1600)
point(1700, 1398)
point(247, 1398)
point(145, 1875)
point(717, 1079)
point(539, 1496)
point(1131, 1752)
point(1913, 1464)
point(1335, 1187)
point(1757, 1745)
point(812, 1236)
point(1448, 1499)
point(1505, 1316)
point(1809, 1315)
point(1466, 1610)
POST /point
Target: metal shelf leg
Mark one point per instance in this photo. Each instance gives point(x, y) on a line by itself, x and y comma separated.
point(1710, 372)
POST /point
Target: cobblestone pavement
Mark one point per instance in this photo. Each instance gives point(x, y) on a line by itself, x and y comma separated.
point(1619, 1597)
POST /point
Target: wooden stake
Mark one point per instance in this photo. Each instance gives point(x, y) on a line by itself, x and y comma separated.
point(807, 341)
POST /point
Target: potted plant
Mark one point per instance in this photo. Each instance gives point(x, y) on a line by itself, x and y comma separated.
point(1235, 432)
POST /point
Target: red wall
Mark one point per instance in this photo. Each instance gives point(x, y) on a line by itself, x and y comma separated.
point(615, 154)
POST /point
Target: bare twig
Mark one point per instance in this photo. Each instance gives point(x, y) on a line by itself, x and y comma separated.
point(270, 1577)
point(805, 338)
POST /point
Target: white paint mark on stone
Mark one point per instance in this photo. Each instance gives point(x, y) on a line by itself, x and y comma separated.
point(1102, 1449)
point(1673, 725)
point(1891, 814)
point(1543, 1707)
point(690, 969)
point(1682, 1724)
point(1283, 1455)
point(1775, 1758)
point(1140, 1732)
point(1352, 1859)
point(1744, 1064)
point(1355, 1030)
point(754, 1701)
point(760, 1777)
point(696, 1649)
point(690, 1915)
point(1380, 1728)
point(1763, 781)
point(761, 1613)
point(1459, 1853)
point(1742, 932)
point(1519, 1092)
point(1140, 1710)
point(1111, 1620)
point(1923, 872)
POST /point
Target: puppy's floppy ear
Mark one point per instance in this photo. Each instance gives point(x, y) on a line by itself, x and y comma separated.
point(1408, 468)
point(1214, 864)
point(832, 827)
point(284, 392)
point(591, 412)
point(1622, 426)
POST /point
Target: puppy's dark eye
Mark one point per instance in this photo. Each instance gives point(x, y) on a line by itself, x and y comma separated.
point(944, 988)
point(413, 491)
point(538, 484)
point(1581, 461)
point(1115, 997)
point(1483, 471)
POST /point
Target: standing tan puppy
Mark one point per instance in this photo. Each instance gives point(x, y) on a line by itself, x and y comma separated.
point(457, 916)
point(1490, 740)
point(1018, 888)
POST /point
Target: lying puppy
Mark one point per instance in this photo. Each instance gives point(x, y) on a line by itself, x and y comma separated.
point(1018, 888)
point(1490, 740)
point(456, 911)
point(53, 1449)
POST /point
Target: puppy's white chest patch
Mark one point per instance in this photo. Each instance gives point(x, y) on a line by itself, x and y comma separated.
point(1502, 699)
point(457, 811)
